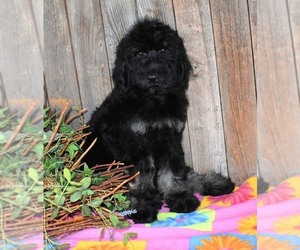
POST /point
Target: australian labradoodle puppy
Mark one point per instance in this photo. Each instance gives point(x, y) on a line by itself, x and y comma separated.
point(142, 120)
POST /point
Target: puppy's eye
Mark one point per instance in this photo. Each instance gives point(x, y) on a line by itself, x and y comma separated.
point(141, 54)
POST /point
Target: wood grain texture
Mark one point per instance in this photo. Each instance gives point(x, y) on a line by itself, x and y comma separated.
point(278, 110)
point(37, 7)
point(162, 10)
point(204, 114)
point(294, 14)
point(87, 34)
point(118, 17)
point(236, 78)
point(21, 64)
point(60, 69)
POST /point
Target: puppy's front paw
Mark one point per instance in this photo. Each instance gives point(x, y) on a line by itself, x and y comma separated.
point(217, 185)
point(182, 202)
point(146, 204)
point(144, 216)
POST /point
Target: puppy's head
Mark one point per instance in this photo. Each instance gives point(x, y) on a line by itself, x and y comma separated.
point(152, 60)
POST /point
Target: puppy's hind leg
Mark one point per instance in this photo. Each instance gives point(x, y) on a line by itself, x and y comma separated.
point(174, 188)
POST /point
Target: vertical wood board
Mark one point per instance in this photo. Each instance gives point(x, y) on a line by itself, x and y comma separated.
point(60, 70)
point(87, 34)
point(118, 17)
point(237, 85)
point(278, 110)
point(162, 10)
point(294, 14)
point(21, 66)
point(204, 114)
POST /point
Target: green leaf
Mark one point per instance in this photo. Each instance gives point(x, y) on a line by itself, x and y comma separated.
point(71, 149)
point(74, 183)
point(15, 213)
point(86, 182)
point(119, 197)
point(128, 236)
point(76, 196)
point(114, 220)
point(38, 149)
point(87, 192)
point(59, 200)
point(86, 211)
point(71, 189)
point(96, 202)
point(54, 213)
point(67, 174)
point(4, 123)
point(123, 224)
point(98, 180)
point(66, 129)
point(87, 172)
point(107, 204)
point(31, 129)
point(40, 198)
point(33, 174)
point(26, 200)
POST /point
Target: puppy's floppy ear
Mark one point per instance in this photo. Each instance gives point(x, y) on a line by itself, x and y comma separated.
point(120, 73)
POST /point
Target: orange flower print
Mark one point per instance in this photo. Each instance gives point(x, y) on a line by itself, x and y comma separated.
point(288, 225)
point(227, 242)
point(244, 193)
point(248, 225)
point(267, 243)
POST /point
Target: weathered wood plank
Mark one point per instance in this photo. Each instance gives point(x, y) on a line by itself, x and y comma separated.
point(278, 110)
point(294, 13)
point(162, 10)
point(21, 64)
point(237, 85)
point(87, 34)
point(204, 114)
point(60, 70)
point(118, 17)
point(38, 13)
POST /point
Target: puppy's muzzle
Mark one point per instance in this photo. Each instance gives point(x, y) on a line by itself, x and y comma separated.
point(156, 89)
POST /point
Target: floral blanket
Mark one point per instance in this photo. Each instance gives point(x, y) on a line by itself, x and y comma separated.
point(224, 222)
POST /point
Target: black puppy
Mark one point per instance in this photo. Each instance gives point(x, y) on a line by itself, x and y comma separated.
point(142, 120)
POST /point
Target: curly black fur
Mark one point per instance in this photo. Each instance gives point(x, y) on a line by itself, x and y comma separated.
point(142, 120)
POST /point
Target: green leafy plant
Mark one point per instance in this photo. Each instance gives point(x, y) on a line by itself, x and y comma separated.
point(78, 196)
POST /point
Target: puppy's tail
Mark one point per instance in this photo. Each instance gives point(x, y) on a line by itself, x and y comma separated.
point(212, 183)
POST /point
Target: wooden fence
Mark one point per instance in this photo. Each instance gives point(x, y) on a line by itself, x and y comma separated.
point(244, 89)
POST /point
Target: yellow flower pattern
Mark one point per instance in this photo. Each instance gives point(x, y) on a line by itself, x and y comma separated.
point(227, 242)
point(248, 225)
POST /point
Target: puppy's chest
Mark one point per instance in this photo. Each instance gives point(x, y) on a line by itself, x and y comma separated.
point(140, 126)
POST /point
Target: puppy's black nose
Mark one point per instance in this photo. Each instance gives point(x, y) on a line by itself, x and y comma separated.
point(152, 78)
